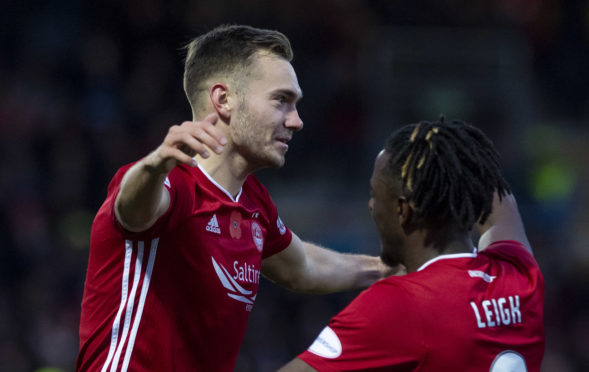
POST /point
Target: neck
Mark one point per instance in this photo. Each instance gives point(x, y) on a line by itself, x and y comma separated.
point(227, 169)
point(425, 245)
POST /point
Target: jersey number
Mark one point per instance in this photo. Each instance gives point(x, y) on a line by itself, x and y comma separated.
point(508, 361)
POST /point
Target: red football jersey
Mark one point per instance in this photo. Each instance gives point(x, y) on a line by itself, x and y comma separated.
point(177, 297)
point(459, 312)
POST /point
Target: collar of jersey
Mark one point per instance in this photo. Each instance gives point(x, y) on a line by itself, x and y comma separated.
point(219, 186)
point(447, 256)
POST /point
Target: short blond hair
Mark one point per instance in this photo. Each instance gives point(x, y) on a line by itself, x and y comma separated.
point(228, 50)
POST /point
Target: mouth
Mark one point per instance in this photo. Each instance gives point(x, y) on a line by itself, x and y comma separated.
point(284, 140)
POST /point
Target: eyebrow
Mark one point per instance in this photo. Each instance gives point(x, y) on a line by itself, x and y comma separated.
point(291, 94)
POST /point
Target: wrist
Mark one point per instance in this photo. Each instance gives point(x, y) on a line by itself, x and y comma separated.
point(156, 166)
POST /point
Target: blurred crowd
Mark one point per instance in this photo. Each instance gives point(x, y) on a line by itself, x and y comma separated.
point(87, 86)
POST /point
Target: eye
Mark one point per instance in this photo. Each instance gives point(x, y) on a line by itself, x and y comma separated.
point(281, 99)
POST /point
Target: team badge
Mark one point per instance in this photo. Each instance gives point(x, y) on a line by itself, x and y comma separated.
point(257, 236)
point(235, 225)
point(281, 227)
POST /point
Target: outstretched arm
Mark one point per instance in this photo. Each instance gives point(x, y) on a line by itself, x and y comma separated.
point(307, 267)
point(504, 223)
point(143, 198)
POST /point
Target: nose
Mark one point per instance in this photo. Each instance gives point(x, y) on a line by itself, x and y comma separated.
point(370, 204)
point(294, 121)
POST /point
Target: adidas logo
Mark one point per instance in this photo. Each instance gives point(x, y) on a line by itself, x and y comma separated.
point(213, 225)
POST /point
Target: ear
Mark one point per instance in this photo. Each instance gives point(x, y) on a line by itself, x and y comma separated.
point(219, 95)
point(404, 211)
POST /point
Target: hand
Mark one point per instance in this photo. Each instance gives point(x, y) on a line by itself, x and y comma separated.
point(395, 270)
point(183, 142)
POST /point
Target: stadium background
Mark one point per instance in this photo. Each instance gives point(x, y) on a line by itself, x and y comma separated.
point(88, 86)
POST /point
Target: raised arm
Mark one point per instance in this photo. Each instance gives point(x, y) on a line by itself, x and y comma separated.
point(143, 198)
point(504, 223)
point(307, 267)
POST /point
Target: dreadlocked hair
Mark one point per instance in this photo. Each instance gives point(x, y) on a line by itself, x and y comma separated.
point(449, 171)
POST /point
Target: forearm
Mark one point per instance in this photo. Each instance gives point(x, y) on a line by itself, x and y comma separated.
point(498, 208)
point(504, 223)
point(142, 197)
point(331, 271)
point(307, 267)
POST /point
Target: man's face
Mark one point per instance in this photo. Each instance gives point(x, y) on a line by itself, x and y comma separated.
point(385, 209)
point(266, 116)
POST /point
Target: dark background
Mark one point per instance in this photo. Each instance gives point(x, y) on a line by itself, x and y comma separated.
point(86, 87)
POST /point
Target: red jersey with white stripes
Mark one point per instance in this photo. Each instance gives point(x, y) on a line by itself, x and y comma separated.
point(177, 297)
point(461, 312)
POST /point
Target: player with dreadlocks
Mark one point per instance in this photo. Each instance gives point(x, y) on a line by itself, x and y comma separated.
point(459, 308)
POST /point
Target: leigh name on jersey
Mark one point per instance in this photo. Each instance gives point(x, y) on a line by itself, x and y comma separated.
point(497, 312)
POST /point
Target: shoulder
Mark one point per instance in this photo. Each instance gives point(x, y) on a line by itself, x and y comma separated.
point(381, 319)
point(254, 193)
point(254, 187)
point(115, 182)
point(382, 305)
point(390, 296)
point(179, 175)
point(182, 175)
point(183, 181)
point(510, 246)
point(510, 250)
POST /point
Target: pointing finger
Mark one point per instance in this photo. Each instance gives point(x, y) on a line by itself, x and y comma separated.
point(211, 118)
point(213, 131)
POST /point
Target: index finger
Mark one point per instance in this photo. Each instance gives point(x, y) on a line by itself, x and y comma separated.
point(208, 126)
point(211, 118)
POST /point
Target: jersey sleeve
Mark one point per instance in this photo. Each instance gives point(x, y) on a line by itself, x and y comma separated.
point(179, 201)
point(279, 236)
point(378, 331)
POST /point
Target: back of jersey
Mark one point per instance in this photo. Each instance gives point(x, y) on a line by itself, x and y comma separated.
point(484, 313)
